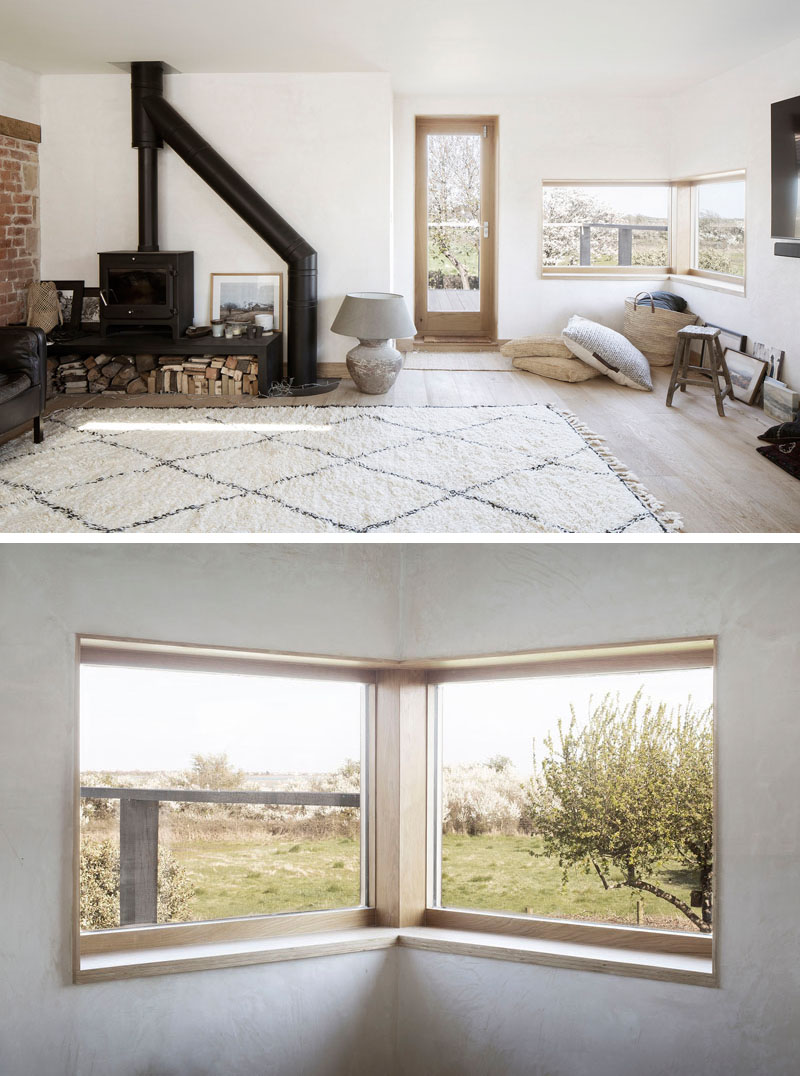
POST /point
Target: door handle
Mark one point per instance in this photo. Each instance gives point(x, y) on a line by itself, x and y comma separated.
point(486, 229)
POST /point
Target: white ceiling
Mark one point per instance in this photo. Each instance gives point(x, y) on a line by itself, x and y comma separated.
point(427, 46)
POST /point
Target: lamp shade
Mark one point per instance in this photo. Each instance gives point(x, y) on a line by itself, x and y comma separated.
point(374, 315)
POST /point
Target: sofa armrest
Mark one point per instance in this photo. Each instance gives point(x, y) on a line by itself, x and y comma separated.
point(23, 350)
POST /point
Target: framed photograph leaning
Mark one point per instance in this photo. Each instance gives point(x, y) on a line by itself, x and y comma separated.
point(241, 296)
point(747, 375)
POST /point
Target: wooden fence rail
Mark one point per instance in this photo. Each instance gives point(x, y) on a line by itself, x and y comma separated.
point(138, 833)
point(624, 239)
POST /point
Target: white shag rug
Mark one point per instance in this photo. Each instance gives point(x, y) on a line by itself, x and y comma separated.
point(363, 470)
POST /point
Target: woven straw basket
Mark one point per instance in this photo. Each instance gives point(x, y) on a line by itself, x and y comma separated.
point(653, 330)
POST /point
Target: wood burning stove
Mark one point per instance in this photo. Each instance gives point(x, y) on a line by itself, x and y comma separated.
point(147, 292)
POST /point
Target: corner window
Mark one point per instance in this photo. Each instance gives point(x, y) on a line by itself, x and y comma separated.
point(212, 793)
point(604, 227)
point(718, 230)
point(584, 796)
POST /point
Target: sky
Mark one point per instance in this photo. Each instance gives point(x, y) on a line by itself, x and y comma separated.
point(143, 719)
point(148, 719)
point(502, 717)
point(725, 198)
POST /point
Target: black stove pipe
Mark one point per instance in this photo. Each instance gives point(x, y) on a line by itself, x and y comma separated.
point(164, 122)
point(146, 78)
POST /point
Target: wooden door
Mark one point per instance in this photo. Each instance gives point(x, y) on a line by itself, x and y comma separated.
point(455, 247)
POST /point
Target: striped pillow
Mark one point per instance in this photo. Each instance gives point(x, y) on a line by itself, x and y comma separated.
point(609, 352)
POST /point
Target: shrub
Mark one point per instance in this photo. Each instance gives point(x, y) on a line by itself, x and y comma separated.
point(482, 798)
point(100, 886)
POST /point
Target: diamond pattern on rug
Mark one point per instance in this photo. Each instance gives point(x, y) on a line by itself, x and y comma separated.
point(559, 499)
point(57, 468)
point(345, 438)
point(458, 466)
point(243, 512)
point(294, 469)
point(165, 446)
point(356, 498)
point(127, 501)
point(259, 466)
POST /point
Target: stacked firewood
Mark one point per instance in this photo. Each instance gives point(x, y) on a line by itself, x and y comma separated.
point(206, 376)
point(111, 375)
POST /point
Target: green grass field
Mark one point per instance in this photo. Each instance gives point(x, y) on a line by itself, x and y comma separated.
point(235, 878)
point(499, 873)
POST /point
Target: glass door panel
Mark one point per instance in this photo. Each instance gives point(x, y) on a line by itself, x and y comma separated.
point(454, 222)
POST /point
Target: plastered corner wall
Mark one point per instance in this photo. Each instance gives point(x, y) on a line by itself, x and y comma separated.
point(331, 1017)
point(412, 1012)
point(476, 1017)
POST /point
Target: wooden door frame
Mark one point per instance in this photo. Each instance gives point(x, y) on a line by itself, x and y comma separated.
point(482, 326)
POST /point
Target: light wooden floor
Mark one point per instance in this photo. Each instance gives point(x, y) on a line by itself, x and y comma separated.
point(456, 360)
point(702, 466)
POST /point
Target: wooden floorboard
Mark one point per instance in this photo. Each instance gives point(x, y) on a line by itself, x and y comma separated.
point(702, 466)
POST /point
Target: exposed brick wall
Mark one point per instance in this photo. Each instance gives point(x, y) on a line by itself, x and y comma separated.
point(19, 224)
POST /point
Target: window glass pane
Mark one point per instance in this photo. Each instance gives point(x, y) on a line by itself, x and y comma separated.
point(554, 788)
point(228, 741)
point(605, 226)
point(454, 210)
point(720, 227)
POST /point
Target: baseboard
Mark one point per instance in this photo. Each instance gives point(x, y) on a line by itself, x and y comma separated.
point(332, 369)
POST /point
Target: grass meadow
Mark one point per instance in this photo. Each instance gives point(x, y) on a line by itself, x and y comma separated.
point(237, 870)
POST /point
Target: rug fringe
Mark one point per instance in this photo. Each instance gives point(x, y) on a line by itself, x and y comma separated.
point(671, 521)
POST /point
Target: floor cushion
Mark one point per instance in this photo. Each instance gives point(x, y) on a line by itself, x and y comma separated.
point(536, 345)
point(556, 367)
point(609, 352)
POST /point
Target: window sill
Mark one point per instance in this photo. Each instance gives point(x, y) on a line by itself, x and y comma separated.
point(709, 283)
point(166, 960)
point(658, 275)
point(128, 964)
point(578, 956)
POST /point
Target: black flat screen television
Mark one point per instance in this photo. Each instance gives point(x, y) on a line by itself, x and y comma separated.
point(786, 169)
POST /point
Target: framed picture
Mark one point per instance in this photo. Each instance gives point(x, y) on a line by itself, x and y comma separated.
point(772, 356)
point(747, 374)
point(90, 309)
point(241, 296)
point(70, 299)
point(729, 338)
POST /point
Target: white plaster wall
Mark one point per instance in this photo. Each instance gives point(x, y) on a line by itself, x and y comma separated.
point(316, 147)
point(412, 1012)
point(722, 125)
point(329, 1017)
point(19, 93)
point(539, 138)
point(482, 1017)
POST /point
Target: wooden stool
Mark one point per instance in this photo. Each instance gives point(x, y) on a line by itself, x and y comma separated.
point(682, 366)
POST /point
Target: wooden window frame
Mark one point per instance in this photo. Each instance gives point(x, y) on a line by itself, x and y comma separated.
point(433, 324)
point(401, 906)
point(625, 272)
point(648, 657)
point(682, 236)
point(134, 653)
point(691, 215)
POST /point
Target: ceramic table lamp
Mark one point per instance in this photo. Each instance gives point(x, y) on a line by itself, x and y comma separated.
point(376, 318)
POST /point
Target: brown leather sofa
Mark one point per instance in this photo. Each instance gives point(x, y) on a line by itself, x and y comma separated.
point(23, 378)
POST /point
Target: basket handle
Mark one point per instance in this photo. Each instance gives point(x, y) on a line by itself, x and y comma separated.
point(649, 296)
